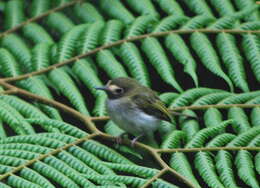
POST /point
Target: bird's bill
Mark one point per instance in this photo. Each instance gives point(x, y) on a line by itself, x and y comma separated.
point(105, 88)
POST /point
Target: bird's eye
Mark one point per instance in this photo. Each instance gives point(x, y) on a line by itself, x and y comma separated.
point(119, 90)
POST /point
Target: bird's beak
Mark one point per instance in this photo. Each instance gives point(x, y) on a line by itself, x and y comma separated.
point(104, 88)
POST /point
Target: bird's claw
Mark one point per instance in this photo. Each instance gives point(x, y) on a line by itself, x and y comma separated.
point(135, 140)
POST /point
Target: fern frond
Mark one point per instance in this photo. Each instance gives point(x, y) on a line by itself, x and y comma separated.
point(91, 80)
point(211, 98)
point(232, 60)
point(171, 7)
point(168, 97)
point(201, 136)
point(41, 56)
point(8, 64)
point(68, 88)
point(198, 22)
point(241, 123)
point(240, 98)
point(255, 116)
point(182, 53)
point(189, 126)
point(68, 44)
point(25, 108)
point(36, 33)
point(224, 7)
point(203, 47)
point(251, 47)
point(245, 167)
point(86, 12)
point(245, 4)
point(2, 130)
point(199, 7)
point(134, 62)
point(173, 140)
point(257, 162)
point(169, 23)
point(221, 140)
point(141, 25)
point(108, 62)
point(212, 117)
point(180, 163)
point(89, 39)
point(190, 95)
point(159, 60)
point(244, 138)
point(117, 10)
point(144, 7)
point(205, 165)
point(19, 49)
point(14, 13)
point(133, 169)
point(224, 167)
point(59, 22)
point(112, 31)
point(38, 7)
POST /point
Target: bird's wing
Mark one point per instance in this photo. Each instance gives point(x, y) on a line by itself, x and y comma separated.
point(152, 105)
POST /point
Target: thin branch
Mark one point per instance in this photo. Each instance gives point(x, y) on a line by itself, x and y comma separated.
point(38, 17)
point(154, 178)
point(119, 42)
point(207, 149)
point(41, 157)
point(199, 107)
point(65, 108)
point(8, 92)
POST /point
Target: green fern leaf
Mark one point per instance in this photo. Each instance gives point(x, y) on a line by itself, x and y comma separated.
point(211, 98)
point(41, 56)
point(171, 7)
point(112, 31)
point(169, 23)
point(182, 53)
point(36, 33)
point(134, 62)
point(108, 62)
point(59, 22)
point(86, 12)
point(173, 140)
point(221, 140)
point(144, 7)
point(199, 7)
point(232, 60)
point(116, 10)
point(209, 58)
point(240, 98)
point(66, 85)
point(224, 7)
point(241, 123)
point(159, 60)
point(255, 116)
point(251, 47)
point(212, 117)
point(168, 97)
point(19, 49)
point(14, 13)
point(38, 7)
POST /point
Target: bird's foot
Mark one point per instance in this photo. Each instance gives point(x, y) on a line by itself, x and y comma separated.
point(119, 139)
point(135, 140)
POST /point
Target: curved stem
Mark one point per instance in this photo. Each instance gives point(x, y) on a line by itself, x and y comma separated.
point(41, 157)
point(38, 17)
point(156, 176)
point(207, 149)
point(119, 42)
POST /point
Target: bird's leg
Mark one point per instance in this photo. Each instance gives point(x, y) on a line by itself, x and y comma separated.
point(119, 138)
point(135, 139)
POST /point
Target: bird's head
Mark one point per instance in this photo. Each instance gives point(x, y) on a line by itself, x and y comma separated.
point(119, 87)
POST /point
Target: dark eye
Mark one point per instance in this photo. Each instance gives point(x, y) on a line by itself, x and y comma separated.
point(119, 90)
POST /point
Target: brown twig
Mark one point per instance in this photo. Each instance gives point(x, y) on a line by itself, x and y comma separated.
point(156, 176)
point(8, 92)
point(41, 157)
point(38, 17)
point(207, 149)
point(119, 42)
point(54, 103)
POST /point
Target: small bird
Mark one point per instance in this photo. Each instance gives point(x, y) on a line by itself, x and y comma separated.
point(135, 108)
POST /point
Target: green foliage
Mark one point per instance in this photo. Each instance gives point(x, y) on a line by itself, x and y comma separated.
point(30, 129)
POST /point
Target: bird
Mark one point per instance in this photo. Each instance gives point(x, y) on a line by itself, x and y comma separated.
point(135, 108)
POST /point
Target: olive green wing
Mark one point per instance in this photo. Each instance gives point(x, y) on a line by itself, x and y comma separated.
point(152, 105)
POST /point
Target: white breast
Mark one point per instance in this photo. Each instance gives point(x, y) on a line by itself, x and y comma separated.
point(130, 119)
